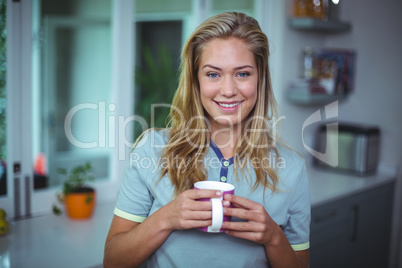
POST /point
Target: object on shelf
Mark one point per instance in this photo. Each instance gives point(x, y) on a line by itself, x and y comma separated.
point(318, 71)
point(317, 15)
point(316, 9)
point(333, 10)
point(340, 64)
point(326, 70)
point(310, 8)
point(307, 70)
point(300, 8)
point(327, 76)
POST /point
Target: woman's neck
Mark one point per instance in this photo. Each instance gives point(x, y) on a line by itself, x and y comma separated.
point(226, 140)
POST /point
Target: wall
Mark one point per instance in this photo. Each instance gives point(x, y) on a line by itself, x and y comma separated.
point(377, 38)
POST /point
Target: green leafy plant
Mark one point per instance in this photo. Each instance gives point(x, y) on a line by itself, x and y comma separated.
point(157, 82)
point(77, 178)
point(76, 182)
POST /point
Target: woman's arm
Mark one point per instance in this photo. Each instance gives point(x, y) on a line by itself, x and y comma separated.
point(126, 238)
point(281, 254)
point(261, 229)
point(129, 244)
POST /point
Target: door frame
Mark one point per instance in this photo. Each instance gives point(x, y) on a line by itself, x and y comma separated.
point(19, 184)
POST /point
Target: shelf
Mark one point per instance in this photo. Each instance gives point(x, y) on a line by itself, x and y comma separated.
point(308, 99)
point(319, 25)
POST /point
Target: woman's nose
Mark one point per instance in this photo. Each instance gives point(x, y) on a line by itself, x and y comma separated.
point(228, 87)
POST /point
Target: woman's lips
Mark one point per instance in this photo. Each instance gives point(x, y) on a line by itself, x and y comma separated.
point(228, 106)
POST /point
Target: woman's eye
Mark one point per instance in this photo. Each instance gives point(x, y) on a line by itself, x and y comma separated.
point(213, 75)
point(243, 74)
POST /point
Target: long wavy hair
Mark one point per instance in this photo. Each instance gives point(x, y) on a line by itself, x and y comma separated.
point(189, 129)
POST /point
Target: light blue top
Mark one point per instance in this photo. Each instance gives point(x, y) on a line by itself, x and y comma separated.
point(289, 207)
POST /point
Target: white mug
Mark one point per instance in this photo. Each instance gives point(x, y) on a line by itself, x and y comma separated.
point(217, 210)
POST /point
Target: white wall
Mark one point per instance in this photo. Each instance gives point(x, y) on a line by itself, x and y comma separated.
point(377, 37)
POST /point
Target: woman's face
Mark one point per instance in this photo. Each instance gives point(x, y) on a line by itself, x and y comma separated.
point(228, 78)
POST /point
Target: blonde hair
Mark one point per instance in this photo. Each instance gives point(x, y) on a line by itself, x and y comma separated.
point(189, 131)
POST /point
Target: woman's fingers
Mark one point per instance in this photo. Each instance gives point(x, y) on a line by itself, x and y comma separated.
point(256, 226)
point(190, 224)
point(192, 208)
point(238, 201)
point(250, 215)
point(197, 199)
point(202, 194)
point(243, 226)
point(194, 205)
point(198, 215)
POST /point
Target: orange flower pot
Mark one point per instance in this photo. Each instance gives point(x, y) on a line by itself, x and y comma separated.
point(80, 205)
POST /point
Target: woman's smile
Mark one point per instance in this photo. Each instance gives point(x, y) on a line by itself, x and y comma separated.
point(229, 106)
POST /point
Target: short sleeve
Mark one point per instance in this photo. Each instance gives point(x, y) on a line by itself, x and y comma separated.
point(297, 229)
point(135, 198)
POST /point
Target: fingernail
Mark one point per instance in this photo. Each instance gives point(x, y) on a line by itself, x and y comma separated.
point(219, 193)
point(227, 196)
point(226, 203)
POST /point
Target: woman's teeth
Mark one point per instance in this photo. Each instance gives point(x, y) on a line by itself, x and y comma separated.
point(229, 105)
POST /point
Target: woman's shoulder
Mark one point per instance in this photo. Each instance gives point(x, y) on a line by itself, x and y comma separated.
point(152, 140)
point(290, 160)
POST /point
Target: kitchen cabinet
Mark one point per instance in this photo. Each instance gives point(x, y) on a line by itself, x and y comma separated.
point(354, 231)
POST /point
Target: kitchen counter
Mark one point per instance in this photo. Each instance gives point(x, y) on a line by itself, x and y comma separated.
point(328, 186)
point(56, 241)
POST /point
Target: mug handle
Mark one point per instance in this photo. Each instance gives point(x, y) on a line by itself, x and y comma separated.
point(217, 215)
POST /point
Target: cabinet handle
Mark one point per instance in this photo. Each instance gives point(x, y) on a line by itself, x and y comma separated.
point(325, 217)
point(27, 196)
point(355, 227)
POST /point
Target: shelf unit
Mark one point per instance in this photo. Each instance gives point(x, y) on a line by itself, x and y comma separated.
point(304, 97)
point(312, 99)
point(310, 24)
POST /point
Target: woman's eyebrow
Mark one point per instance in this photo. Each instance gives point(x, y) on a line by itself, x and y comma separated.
point(243, 67)
point(211, 66)
point(219, 69)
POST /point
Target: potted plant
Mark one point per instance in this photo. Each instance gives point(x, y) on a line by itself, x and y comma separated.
point(77, 196)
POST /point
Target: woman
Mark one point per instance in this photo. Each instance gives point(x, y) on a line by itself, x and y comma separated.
point(222, 128)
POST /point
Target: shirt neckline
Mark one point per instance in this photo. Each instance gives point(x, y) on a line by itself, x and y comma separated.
point(219, 154)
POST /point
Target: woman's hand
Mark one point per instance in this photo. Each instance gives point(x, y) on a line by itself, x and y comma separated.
point(186, 212)
point(259, 226)
point(126, 237)
point(261, 229)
